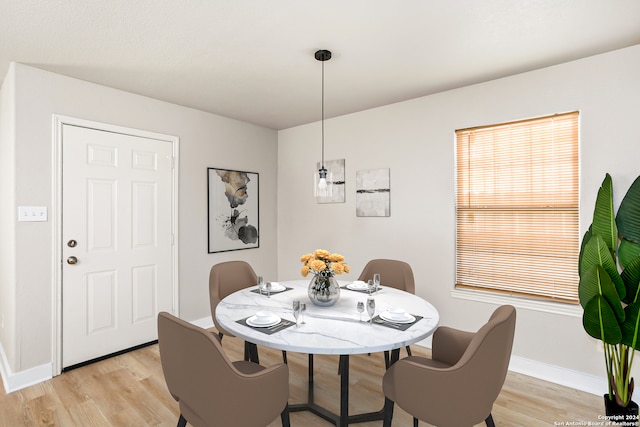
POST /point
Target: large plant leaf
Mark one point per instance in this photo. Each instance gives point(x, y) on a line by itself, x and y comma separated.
point(596, 252)
point(627, 252)
point(631, 325)
point(604, 220)
point(585, 240)
point(600, 322)
point(628, 218)
point(596, 281)
point(631, 278)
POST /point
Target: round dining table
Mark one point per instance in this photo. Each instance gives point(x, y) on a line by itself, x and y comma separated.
point(338, 329)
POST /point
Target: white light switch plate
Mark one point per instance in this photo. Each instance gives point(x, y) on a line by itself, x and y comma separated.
point(32, 213)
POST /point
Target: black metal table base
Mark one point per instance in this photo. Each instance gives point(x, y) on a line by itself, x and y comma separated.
point(343, 419)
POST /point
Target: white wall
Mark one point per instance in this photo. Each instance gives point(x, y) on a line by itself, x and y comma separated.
point(7, 215)
point(206, 140)
point(415, 139)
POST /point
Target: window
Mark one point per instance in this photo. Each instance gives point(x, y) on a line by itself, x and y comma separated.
point(517, 228)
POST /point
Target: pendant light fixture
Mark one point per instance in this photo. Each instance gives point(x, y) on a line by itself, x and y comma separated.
point(322, 188)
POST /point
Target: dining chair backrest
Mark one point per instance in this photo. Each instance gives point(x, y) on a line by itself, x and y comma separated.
point(394, 273)
point(487, 356)
point(210, 389)
point(459, 384)
point(224, 279)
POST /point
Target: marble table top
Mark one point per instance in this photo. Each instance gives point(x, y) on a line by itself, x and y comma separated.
point(327, 330)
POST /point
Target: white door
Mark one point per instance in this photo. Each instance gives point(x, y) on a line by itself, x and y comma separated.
point(117, 241)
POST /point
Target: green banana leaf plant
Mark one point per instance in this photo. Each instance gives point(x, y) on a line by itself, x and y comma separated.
point(609, 269)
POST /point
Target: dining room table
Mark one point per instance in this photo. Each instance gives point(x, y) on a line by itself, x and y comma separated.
point(339, 329)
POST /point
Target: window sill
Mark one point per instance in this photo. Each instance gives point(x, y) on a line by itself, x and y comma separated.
point(518, 302)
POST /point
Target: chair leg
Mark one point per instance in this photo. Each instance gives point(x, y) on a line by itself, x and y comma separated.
point(408, 351)
point(284, 357)
point(387, 412)
point(182, 422)
point(284, 416)
point(489, 421)
point(251, 352)
point(415, 422)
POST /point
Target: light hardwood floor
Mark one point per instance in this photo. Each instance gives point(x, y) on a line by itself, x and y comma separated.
point(129, 390)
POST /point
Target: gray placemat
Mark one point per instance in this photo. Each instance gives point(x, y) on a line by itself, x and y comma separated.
point(399, 326)
point(284, 324)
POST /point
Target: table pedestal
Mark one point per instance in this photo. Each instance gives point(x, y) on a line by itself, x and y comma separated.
point(343, 419)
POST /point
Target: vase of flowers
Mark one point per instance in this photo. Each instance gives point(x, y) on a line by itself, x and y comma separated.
point(324, 289)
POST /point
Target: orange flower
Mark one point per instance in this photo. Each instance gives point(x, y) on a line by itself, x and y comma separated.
point(321, 253)
point(305, 271)
point(317, 265)
point(336, 258)
point(338, 268)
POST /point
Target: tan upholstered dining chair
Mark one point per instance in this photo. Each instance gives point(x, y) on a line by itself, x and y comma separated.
point(394, 273)
point(459, 384)
point(226, 278)
point(210, 389)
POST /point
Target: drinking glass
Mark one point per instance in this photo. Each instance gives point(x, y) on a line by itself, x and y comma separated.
point(376, 282)
point(303, 308)
point(371, 309)
point(296, 310)
point(370, 286)
point(268, 287)
point(260, 284)
point(360, 308)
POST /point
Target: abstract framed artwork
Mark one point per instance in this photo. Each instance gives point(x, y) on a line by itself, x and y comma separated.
point(233, 210)
point(373, 193)
point(335, 179)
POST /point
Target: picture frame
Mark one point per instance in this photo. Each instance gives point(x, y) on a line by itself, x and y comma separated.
point(233, 210)
point(373, 193)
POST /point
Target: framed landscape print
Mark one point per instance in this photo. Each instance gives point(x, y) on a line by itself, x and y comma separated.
point(373, 193)
point(233, 209)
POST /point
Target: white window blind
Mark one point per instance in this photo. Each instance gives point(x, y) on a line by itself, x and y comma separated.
point(517, 208)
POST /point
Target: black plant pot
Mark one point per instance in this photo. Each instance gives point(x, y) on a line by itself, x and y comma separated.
point(630, 412)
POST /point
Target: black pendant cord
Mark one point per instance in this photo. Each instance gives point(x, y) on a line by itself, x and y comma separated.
point(322, 167)
point(322, 56)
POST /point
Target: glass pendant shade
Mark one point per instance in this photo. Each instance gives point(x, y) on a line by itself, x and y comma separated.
point(322, 183)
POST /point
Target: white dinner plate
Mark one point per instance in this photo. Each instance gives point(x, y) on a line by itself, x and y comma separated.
point(277, 287)
point(253, 321)
point(407, 318)
point(358, 286)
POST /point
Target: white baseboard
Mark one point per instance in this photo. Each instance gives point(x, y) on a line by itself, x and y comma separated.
point(558, 375)
point(16, 381)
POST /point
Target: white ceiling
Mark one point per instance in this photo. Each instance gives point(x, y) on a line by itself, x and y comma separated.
point(253, 60)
